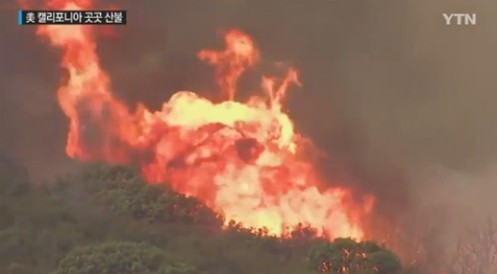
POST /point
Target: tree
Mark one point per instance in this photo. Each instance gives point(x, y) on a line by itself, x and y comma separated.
point(124, 190)
point(122, 258)
point(345, 256)
point(55, 231)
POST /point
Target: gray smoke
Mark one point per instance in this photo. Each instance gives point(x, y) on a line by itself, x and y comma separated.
point(403, 102)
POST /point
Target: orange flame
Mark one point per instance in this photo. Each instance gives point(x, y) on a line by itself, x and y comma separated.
point(241, 159)
point(240, 53)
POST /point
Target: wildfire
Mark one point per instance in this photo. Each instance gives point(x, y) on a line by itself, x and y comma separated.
point(242, 159)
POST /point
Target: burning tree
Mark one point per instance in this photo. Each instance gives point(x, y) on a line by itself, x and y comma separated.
point(345, 256)
point(476, 252)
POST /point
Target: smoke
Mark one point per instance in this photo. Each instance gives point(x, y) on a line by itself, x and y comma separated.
point(402, 103)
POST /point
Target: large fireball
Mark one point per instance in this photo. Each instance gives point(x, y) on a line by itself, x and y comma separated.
point(242, 159)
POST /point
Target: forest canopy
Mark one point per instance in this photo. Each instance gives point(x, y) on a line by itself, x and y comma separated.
point(106, 219)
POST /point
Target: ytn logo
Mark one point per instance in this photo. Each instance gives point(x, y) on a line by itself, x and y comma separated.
point(460, 18)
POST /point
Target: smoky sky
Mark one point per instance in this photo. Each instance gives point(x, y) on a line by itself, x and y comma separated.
point(402, 102)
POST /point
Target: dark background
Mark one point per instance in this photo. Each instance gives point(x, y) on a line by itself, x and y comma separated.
point(402, 102)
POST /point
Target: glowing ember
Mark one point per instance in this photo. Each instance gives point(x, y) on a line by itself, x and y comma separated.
point(241, 159)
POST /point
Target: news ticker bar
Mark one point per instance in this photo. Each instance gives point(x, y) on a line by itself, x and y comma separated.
point(72, 17)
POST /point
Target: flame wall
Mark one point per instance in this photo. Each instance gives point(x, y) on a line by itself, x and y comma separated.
point(381, 88)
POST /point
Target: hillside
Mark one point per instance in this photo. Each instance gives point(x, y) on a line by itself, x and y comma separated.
point(106, 219)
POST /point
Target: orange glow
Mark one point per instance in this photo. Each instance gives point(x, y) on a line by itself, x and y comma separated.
point(240, 53)
point(242, 159)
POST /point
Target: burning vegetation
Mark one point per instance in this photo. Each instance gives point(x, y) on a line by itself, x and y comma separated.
point(222, 184)
point(244, 160)
point(106, 219)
